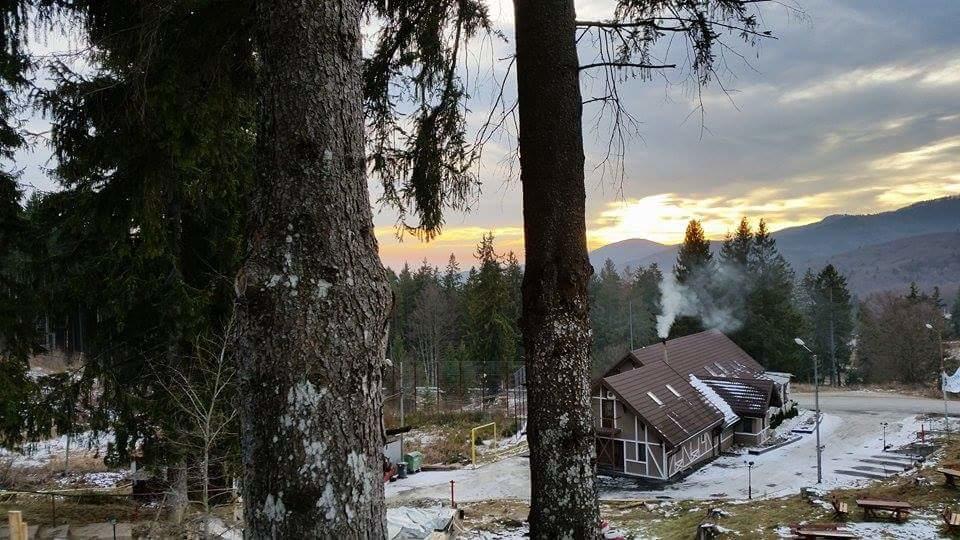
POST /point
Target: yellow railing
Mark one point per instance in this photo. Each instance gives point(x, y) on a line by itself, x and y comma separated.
point(473, 440)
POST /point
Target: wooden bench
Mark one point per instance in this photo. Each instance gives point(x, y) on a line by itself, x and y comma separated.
point(951, 518)
point(840, 508)
point(821, 530)
point(950, 476)
point(899, 510)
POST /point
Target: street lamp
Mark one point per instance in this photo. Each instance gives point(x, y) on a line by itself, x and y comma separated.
point(816, 399)
point(749, 479)
point(943, 387)
point(884, 424)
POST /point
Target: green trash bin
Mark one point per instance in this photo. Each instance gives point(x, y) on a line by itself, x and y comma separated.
point(414, 461)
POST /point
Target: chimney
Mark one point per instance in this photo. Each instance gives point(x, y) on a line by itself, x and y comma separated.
point(666, 358)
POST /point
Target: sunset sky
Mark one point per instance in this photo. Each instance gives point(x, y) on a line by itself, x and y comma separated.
point(855, 108)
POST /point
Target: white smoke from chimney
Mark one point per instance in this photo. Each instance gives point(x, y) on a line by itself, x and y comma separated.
point(714, 296)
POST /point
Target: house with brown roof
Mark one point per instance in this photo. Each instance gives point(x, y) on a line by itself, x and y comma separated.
point(669, 407)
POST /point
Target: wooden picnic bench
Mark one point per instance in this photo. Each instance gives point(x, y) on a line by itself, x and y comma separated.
point(899, 510)
point(951, 518)
point(821, 530)
point(950, 476)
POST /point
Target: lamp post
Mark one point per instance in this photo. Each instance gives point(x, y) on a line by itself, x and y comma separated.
point(816, 400)
point(943, 387)
point(749, 480)
point(884, 424)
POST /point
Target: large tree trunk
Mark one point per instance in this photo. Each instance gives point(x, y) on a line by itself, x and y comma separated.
point(314, 296)
point(555, 323)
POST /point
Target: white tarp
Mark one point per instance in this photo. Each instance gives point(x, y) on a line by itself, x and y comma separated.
point(407, 523)
point(951, 383)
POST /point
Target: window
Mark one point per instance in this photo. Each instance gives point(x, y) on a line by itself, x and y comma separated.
point(671, 389)
point(636, 452)
point(655, 398)
point(704, 439)
point(608, 413)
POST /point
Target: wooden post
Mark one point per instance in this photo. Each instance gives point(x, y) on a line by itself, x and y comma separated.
point(18, 527)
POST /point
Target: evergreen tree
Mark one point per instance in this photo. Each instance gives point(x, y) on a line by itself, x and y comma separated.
point(829, 318)
point(645, 301)
point(492, 334)
point(771, 319)
point(693, 269)
point(936, 298)
point(452, 280)
point(153, 149)
point(955, 315)
point(736, 248)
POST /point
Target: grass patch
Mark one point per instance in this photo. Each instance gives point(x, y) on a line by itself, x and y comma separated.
point(444, 437)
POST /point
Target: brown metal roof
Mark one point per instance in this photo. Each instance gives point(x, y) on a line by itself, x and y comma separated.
point(675, 416)
point(706, 354)
point(747, 397)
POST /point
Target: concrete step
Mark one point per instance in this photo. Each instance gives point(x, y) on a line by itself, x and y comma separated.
point(860, 474)
point(897, 457)
point(898, 465)
point(875, 470)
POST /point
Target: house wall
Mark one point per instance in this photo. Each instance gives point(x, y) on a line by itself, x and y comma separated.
point(693, 451)
point(752, 431)
point(643, 453)
point(727, 438)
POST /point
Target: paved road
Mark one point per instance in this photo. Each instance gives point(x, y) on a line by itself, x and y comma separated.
point(875, 402)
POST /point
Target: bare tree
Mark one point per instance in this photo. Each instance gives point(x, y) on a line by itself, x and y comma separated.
point(203, 392)
point(431, 325)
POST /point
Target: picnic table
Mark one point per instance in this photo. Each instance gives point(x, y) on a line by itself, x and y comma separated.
point(950, 475)
point(898, 509)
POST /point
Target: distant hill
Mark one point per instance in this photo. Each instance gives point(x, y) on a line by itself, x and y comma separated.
point(625, 252)
point(884, 251)
point(842, 233)
point(928, 259)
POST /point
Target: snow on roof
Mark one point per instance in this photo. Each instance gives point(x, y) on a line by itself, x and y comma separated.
point(749, 397)
point(713, 398)
point(777, 376)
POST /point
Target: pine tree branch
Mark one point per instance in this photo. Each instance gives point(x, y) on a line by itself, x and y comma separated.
point(623, 65)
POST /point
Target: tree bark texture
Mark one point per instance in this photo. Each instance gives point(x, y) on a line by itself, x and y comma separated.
point(555, 323)
point(313, 294)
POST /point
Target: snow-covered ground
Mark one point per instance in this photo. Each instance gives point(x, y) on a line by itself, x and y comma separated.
point(40, 454)
point(848, 437)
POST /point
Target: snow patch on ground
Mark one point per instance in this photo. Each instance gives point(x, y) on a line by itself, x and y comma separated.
point(95, 479)
point(40, 454)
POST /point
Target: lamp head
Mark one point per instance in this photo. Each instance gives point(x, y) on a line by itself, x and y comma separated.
point(929, 326)
point(799, 342)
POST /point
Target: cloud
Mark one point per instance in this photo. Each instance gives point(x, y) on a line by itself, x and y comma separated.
point(858, 79)
point(940, 151)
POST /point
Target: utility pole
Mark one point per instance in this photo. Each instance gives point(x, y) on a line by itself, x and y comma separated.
point(401, 408)
point(816, 401)
point(943, 375)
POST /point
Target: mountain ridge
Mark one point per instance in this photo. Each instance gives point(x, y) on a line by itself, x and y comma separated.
point(840, 236)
